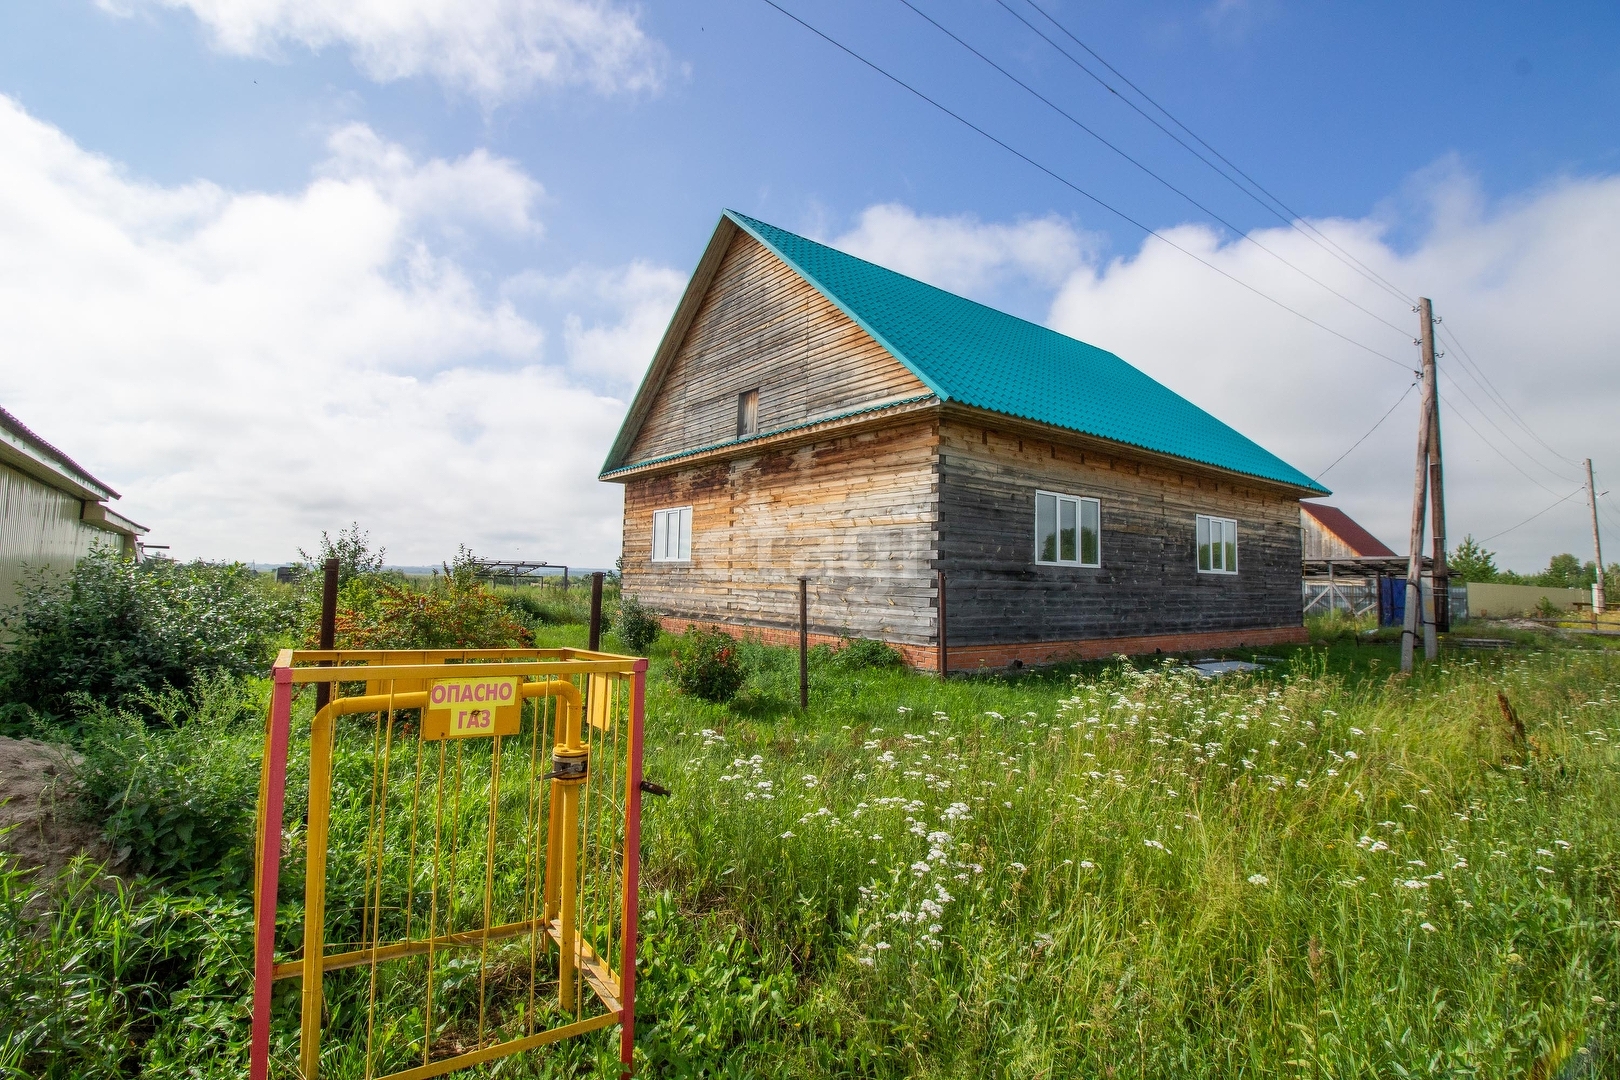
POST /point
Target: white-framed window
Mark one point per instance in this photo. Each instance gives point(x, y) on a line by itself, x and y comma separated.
point(1217, 545)
point(672, 535)
point(1068, 530)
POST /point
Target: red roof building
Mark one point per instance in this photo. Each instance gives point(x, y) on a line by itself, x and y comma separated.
point(1329, 533)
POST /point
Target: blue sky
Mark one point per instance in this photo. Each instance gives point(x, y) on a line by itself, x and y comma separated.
point(446, 217)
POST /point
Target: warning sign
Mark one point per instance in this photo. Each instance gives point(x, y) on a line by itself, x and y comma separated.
point(470, 708)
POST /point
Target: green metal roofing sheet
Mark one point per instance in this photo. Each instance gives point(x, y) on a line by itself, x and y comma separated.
point(978, 356)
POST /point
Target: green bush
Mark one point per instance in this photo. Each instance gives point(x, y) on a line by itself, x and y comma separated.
point(114, 628)
point(456, 610)
point(636, 625)
point(705, 664)
point(865, 654)
point(177, 795)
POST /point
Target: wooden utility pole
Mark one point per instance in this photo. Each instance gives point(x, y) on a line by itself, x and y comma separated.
point(1440, 576)
point(1420, 491)
point(1598, 599)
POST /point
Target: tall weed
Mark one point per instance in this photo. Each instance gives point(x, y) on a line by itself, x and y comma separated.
point(176, 794)
point(96, 981)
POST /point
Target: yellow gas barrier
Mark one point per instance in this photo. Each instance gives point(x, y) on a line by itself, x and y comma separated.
point(470, 861)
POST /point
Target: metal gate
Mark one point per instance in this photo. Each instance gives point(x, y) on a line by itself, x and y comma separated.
point(468, 864)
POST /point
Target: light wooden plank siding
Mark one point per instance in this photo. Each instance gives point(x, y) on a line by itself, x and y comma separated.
point(857, 513)
point(1148, 583)
point(761, 325)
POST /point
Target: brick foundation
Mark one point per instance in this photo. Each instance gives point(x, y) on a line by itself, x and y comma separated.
point(974, 657)
point(917, 656)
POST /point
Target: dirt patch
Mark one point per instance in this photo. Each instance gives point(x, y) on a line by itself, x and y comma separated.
point(38, 803)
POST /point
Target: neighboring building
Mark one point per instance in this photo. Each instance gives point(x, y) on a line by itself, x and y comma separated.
point(1346, 568)
point(1329, 533)
point(810, 413)
point(52, 512)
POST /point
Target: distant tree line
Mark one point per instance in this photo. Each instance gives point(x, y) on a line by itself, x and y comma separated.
point(1470, 561)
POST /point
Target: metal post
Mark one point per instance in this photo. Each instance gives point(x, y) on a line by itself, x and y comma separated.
point(1598, 599)
point(268, 871)
point(329, 586)
point(632, 874)
point(804, 644)
point(596, 611)
point(944, 661)
point(1420, 491)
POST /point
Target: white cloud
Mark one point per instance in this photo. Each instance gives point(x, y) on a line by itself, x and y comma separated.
point(495, 50)
point(615, 342)
point(1527, 285)
point(250, 368)
point(963, 254)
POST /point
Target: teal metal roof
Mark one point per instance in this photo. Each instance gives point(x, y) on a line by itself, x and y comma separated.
point(978, 356)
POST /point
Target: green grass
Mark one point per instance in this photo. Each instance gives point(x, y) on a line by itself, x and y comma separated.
point(1141, 873)
point(1113, 870)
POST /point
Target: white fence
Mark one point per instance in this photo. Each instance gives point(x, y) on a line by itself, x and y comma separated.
point(1360, 597)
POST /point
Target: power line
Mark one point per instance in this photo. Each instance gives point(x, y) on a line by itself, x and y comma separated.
point(1513, 442)
point(1071, 185)
point(1071, 118)
point(1290, 216)
point(1460, 415)
point(1529, 455)
point(1502, 399)
point(1370, 430)
point(1533, 517)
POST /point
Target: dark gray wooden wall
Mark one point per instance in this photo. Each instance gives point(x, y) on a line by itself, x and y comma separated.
point(1148, 582)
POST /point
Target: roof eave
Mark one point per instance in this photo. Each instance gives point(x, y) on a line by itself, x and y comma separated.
point(959, 409)
point(685, 311)
point(865, 416)
point(19, 452)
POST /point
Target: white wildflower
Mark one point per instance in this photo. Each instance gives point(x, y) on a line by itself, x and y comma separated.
point(1259, 879)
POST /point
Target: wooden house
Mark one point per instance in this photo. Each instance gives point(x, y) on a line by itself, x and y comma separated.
point(1330, 533)
point(812, 414)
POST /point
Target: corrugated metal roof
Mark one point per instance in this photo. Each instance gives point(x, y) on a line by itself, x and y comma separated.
point(22, 440)
point(975, 355)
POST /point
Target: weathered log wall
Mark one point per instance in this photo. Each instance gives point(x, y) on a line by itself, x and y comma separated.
point(1148, 583)
point(762, 326)
point(856, 513)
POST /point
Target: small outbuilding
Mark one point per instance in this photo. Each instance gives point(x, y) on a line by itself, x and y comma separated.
point(52, 512)
point(1330, 533)
point(812, 414)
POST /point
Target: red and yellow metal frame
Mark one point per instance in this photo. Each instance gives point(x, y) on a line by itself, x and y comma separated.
point(597, 711)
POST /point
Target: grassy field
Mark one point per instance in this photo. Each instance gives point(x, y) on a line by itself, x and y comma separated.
point(1116, 870)
point(1132, 872)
